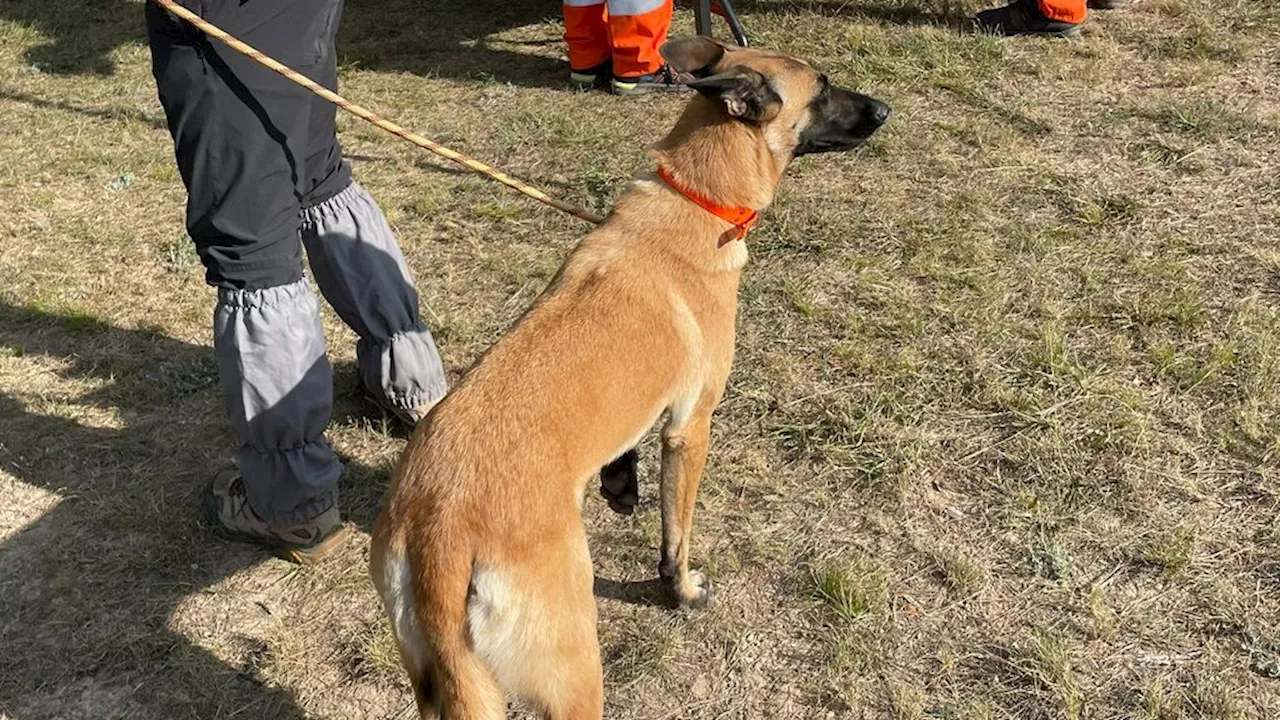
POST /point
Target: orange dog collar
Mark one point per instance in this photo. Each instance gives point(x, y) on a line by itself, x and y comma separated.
point(742, 219)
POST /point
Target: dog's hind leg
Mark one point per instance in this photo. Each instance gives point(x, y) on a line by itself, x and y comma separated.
point(558, 667)
point(576, 692)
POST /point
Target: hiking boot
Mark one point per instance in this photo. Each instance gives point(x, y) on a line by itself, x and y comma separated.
point(227, 511)
point(664, 80)
point(1023, 17)
point(1107, 4)
point(591, 78)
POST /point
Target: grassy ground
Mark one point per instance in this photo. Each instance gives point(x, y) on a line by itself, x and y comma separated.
point(1001, 441)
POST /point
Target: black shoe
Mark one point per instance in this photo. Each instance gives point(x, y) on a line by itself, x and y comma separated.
point(1022, 17)
point(591, 78)
point(1107, 4)
point(664, 80)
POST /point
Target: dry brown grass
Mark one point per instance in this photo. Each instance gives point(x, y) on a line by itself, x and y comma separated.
point(1001, 441)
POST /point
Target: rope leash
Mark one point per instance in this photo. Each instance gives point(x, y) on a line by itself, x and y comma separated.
point(474, 165)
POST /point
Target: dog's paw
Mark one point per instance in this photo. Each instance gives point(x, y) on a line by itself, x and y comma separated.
point(691, 593)
point(620, 483)
point(623, 503)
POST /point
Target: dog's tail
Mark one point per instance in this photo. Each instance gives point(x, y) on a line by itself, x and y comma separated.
point(426, 591)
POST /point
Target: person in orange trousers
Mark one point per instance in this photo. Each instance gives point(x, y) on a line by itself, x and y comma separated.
point(1060, 18)
point(618, 41)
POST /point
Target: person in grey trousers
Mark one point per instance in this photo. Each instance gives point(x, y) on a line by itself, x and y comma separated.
point(265, 177)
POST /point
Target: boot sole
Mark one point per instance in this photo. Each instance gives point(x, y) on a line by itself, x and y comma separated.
point(649, 89)
point(1068, 33)
point(587, 83)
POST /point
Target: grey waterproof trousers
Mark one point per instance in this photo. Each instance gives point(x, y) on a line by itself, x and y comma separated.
point(265, 177)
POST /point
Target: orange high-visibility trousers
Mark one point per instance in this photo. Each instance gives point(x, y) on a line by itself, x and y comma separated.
point(627, 31)
point(1072, 11)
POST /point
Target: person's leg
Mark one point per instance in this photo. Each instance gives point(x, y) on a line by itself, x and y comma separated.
point(586, 33)
point(240, 133)
point(361, 271)
point(1060, 18)
point(637, 29)
point(363, 275)
point(1067, 11)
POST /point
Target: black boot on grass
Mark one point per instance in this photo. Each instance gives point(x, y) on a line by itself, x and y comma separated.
point(1023, 17)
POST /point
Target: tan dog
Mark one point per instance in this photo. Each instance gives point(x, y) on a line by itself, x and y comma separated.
point(480, 554)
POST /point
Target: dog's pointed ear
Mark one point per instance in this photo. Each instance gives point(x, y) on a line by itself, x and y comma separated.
point(745, 93)
point(694, 55)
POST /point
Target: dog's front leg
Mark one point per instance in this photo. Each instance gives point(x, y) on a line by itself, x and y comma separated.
point(684, 454)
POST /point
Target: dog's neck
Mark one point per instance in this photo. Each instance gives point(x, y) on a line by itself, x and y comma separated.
point(722, 159)
point(714, 157)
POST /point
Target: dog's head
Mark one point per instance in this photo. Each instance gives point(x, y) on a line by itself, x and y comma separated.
point(795, 106)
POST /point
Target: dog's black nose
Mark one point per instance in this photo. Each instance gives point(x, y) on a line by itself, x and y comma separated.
point(879, 112)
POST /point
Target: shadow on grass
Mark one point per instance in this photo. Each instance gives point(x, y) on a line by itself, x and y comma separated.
point(90, 586)
point(645, 593)
point(439, 39)
point(80, 35)
point(452, 40)
point(938, 13)
point(447, 40)
point(103, 112)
